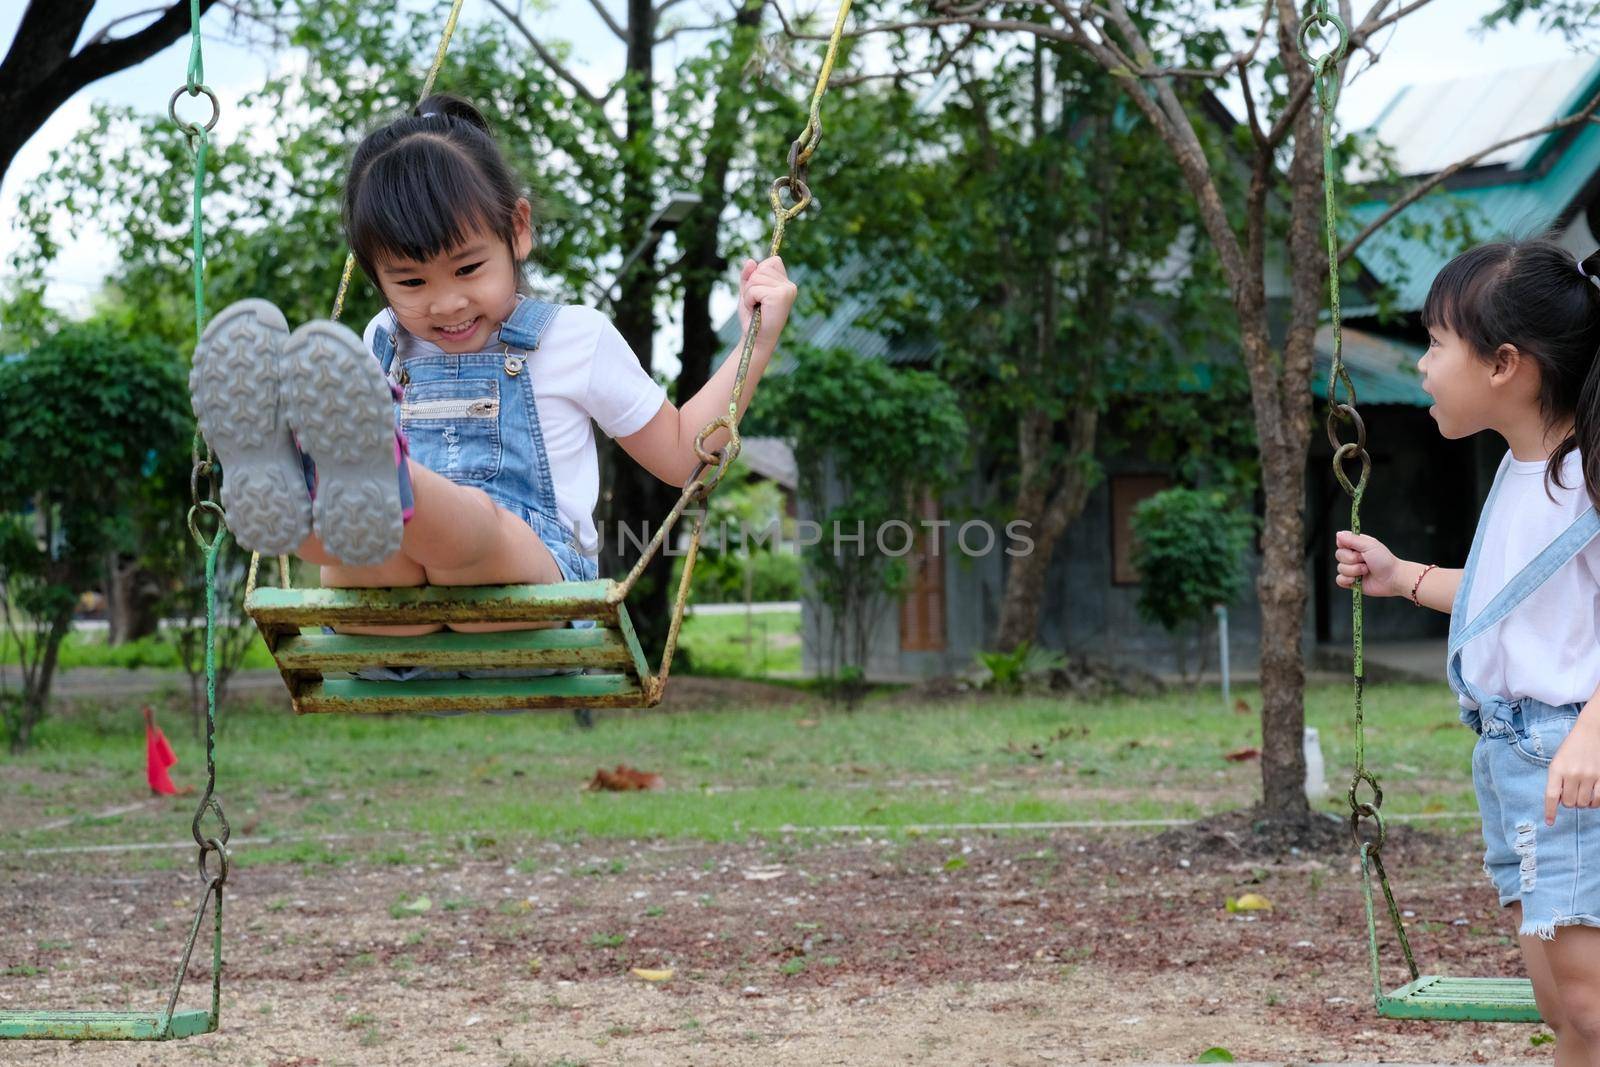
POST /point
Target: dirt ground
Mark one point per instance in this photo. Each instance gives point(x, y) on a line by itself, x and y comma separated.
point(965, 949)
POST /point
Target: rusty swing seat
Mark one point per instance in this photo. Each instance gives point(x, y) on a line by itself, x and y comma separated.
point(598, 667)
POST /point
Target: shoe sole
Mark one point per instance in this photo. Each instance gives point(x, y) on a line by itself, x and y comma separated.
point(341, 407)
point(235, 391)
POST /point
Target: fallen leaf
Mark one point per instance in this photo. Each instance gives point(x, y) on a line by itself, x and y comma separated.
point(1241, 707)
point(420, 905)
point(1249, 902)
point(653, 976)
point(624, 779)
point(807, 723)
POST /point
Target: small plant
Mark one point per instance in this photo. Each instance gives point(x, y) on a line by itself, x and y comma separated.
point(606, 940)
point(1011, 672)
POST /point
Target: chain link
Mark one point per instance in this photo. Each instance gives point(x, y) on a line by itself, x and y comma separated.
point(1342, 411)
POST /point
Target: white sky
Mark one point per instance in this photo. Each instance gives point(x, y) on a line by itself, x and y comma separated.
point(1435, 44)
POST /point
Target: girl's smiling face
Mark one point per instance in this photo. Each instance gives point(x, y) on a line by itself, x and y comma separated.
point(458, 299)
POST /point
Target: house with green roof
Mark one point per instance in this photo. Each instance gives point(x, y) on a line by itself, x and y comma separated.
point(1425, 491)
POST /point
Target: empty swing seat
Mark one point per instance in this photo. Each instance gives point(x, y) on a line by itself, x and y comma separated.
point(102, 1025)
point(603, 665)
point(1489, 1000)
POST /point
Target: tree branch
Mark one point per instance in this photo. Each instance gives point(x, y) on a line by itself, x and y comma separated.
point(560, 71)
point(1422, 188)
point(1374, 23)
point(605, 16)
point(670, 34)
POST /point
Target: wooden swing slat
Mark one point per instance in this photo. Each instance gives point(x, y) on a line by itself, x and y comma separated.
point(355, 696)
point(102, 1025)
point(1488, 1000)
point(556, 647)
point(557, 602)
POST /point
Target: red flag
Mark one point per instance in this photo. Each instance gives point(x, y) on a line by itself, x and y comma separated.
point(157, 757)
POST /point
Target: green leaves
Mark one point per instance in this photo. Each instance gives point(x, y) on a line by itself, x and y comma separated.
point(1189, 549)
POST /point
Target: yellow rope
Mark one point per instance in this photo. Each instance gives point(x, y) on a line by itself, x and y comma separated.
point(427, 87)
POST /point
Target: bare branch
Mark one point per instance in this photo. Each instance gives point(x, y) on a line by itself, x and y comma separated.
point(1256, 131)
point(611, 23)
point(104, 33)
point(670, 34)
point(1422, 188)
point(555, 65)
point(1374, 23)
point(665, 6)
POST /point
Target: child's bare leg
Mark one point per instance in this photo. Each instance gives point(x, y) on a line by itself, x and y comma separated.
point(1573, 963)
point(459, 536)
point(397, 570)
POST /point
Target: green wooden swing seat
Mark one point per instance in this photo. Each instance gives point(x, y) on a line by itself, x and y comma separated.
point(103, 1025)
point(603, 666)
point(1484, 1000)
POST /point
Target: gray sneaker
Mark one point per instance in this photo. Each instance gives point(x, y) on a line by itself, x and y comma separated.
point(342, 410)
point(235, 388)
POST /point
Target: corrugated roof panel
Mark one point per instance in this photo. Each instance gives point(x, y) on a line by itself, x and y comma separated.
point(1429, 127)
point(1399, 257)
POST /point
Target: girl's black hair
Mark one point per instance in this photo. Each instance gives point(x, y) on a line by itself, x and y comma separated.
point(421, 184)
point(1532, 294)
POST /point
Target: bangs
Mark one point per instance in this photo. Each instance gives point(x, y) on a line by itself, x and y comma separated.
point(420, 199)
point(1461, 298)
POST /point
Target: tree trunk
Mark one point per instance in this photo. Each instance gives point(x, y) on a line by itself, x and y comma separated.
point(1049, 505)
point(637, 501)
point(40, 71)
point(132, 601)
point(703, 263)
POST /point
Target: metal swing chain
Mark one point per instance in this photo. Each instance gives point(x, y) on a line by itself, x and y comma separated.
point(202, 504)
point(1342, 409)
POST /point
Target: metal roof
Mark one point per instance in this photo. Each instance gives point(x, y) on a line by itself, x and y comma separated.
point(1428, 127)
point(1522, 202)
point(772, 458)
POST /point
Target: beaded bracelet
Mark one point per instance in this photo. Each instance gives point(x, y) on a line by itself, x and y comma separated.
point(1418, 584)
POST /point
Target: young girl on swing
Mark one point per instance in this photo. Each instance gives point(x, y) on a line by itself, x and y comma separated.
point(453, 445)
point(1514, 330)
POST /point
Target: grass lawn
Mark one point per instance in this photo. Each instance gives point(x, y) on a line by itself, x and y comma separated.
point(729, 772)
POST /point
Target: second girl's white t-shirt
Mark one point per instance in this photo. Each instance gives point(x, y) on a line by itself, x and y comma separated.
point(1548, 648)
point(583, 373)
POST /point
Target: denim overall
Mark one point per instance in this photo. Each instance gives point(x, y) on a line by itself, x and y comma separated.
point(1517, 738)
point(473, 419)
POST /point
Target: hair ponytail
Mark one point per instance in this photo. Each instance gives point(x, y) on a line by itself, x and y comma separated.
point(420, 185)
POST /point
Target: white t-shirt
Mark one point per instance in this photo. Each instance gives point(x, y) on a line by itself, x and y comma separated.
point(1548, 648)
point(583, 370)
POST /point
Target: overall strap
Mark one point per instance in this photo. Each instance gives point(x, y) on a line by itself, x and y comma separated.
point(1534, 574)
point(527, 323)
point(1551, 559)
point(1458, 607)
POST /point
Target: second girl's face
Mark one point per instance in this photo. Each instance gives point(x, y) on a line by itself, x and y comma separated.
point(1459, 382)
point(459, 298)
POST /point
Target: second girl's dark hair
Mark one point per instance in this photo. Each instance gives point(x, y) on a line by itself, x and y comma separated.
point(1532, 294)
point(420, 185)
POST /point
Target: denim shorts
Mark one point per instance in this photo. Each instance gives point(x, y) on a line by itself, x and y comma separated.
point(1553, 871)
point(574, 566)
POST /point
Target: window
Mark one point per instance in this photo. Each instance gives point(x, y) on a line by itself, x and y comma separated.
point(922, 618)
point(1127, 490)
